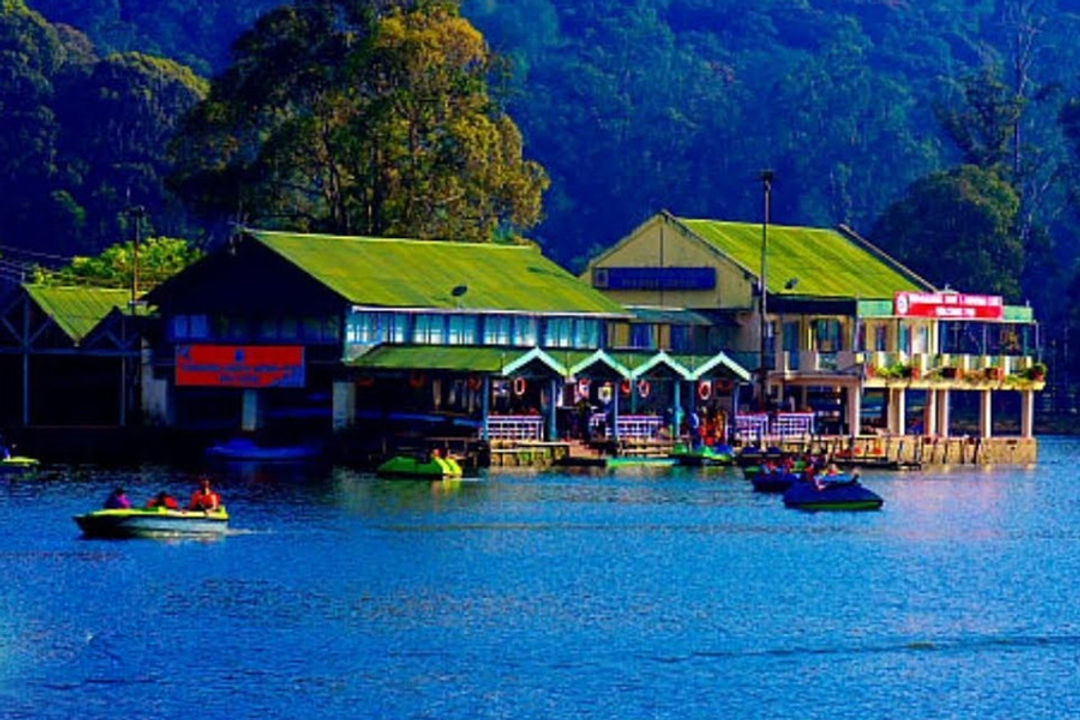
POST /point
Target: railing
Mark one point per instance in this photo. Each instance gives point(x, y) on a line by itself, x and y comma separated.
point(629, 426)
point(516, 427)
point(749, 428)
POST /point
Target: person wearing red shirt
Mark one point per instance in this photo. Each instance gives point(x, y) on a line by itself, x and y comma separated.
point(205, 498)
point(163, 500)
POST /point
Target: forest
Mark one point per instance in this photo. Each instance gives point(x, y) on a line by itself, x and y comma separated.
point(946, 131)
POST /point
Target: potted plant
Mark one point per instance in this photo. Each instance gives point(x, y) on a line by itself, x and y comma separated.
point(993, 373)
point(1037, 372)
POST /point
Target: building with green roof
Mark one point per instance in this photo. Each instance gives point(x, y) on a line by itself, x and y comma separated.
point(69, 355)
point(839, 316)
point(378, 330)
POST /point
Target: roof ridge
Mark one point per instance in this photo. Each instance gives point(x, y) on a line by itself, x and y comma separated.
point(256, 232)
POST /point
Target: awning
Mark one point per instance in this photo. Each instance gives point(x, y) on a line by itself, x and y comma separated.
point(456, 358)
point(702, 366)
point(669, 316)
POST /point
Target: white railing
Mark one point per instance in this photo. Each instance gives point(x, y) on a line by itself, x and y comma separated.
point(781, 425)
point(630, 426)
point(516, 427)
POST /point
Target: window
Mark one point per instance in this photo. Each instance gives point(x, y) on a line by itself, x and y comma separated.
point(557, 332)
point(190, 327)
point(682, 339)
point(526, 331)
point(497, 330)
point(643, 336)
point(462, 330)
point(430, 329)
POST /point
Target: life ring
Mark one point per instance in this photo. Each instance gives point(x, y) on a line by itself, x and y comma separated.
point(605, 394)
point(519, 386)
point(643, 388)
point(417, 380)
point(583, 386)
point(624, 387)
point(474, 383)
point(704, 390)
point(365, 381)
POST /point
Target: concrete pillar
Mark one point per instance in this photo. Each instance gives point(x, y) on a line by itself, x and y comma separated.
point(897, 410)
point(343, 413)
point(930, 413)
point(1027, 414)
point(485, 408)
point(986, 414)
point(943, 413)
point(251, 414)
point(854, 408)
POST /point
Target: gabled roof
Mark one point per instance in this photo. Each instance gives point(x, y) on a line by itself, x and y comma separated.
point(825, 263)
point(417, 274)
point(77, 310)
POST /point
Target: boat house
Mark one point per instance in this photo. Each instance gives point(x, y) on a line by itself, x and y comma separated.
point(850, 343)
point(302, 332)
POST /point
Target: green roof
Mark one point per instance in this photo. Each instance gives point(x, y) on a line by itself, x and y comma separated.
point(77, 310)
point(395, 273)
point(454, 358)
point(825, 262)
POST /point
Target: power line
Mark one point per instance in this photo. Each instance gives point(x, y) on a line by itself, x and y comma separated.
point(35, 253)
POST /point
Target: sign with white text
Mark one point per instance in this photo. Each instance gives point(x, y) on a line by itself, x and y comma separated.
point(949, 306)
point(242, 366)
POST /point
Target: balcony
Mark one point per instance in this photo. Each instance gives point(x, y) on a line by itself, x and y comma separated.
point(916, 370)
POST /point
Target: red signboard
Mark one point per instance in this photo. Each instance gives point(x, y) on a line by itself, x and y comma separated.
point(949, 306)
point(244, 366)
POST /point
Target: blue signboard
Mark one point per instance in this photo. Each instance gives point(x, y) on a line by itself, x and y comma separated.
point(654, 278)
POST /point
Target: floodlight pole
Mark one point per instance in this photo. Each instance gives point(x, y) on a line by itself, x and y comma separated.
point(766, 185)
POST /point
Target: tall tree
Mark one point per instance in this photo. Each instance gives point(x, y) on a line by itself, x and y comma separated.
point(956, 228)
point(360, 117)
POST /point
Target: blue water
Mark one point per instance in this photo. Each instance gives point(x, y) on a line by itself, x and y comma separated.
point(633, 594)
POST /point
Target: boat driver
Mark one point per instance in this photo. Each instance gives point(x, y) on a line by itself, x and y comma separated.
point(204, 497)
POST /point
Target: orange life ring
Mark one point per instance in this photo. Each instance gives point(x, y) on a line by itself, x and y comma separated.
point(583, 386)
point(643, 388)
point(417, 380)
point(704, 390)
point(519, 386)
point(624, 387)
point(474, 383)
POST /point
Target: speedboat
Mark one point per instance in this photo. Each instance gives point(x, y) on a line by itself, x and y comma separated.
point(408, 466)
point(153, 522)
point(248, 449)
point(837, 492)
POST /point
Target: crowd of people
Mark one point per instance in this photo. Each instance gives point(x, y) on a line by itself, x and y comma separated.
point(205, 499)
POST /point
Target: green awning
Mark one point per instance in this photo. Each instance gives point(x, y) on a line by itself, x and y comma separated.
point(668, 316)
point(601, 359)
point(702, 366)
point(454, 358)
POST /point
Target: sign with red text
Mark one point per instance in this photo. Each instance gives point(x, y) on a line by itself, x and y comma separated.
point(240, 366)
point(949, 306)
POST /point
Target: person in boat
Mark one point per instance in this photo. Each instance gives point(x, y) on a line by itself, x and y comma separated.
point(117, 500)
point(163, 500)
point(204, 498)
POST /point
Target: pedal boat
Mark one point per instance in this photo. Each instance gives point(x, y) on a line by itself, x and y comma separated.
point(840, 492)
point(704, 456)
point(153, 522)
point(409, 467)
point(18, 463)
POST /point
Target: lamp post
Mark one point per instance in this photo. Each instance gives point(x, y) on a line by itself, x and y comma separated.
point(766, 186)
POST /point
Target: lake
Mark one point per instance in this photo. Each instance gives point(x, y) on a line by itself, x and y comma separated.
point(662, 593)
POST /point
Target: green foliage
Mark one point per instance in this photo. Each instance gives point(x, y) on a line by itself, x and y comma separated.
point(956, 228)
point(339, 117)
point(159, 259)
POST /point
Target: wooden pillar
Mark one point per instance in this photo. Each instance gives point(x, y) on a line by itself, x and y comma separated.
point(854, 408)
point(943, 413)
point(1027, 414)
point(553, 408)
point(485, 408)
point(615, 412)
point(986, 414)
point(930, 413)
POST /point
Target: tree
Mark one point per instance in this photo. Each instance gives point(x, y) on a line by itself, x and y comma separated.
point(159, 259)
point(956, 228)
point(360, 117)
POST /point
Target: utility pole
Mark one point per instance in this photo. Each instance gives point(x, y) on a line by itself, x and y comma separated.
point(137, 213)
point(766, 186)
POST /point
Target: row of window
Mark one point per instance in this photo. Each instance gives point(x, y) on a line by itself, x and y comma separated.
point(313, 330)
point(373, 328)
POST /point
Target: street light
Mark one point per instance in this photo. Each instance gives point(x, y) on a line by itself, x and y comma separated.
point(766, 186)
